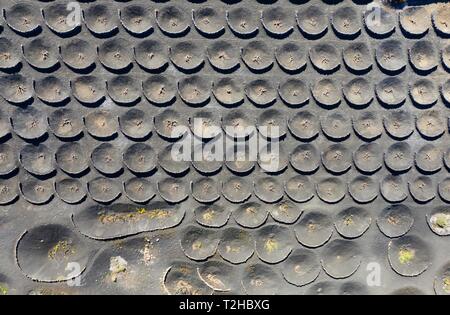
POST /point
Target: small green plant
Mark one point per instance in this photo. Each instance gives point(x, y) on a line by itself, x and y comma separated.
point(134, 216)
point(271, 245)
point(442, 221)
point(118, 266)
point(447, 284)
point(61, 250)
point(197, 245)
point(349, 220)
point(208, 216)
point(405, 256)
point(3, 289)
point(141, 211)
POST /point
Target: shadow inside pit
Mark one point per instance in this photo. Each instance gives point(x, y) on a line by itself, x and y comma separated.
point(424, 2)
point(398, 4)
